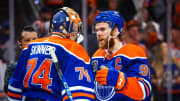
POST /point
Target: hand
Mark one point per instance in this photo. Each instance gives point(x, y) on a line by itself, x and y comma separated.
point(111, 77)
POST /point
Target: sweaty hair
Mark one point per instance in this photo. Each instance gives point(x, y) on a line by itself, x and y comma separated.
point(120, 35)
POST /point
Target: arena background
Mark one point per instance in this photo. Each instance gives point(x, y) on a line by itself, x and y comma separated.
point(14, 14)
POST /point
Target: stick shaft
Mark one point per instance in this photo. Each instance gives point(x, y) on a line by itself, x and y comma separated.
point(60, 74)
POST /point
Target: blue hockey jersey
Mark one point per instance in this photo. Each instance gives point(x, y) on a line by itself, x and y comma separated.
point(132, 61)
point(35, 74)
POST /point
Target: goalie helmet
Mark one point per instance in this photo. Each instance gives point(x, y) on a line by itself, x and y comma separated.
point(111, 17)
point(65, 20)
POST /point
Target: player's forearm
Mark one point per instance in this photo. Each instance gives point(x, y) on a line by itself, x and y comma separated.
point(137, 89)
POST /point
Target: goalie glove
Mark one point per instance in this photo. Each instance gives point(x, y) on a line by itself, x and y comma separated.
point(111, 77)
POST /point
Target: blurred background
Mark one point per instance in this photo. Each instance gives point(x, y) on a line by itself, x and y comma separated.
point(153, 25)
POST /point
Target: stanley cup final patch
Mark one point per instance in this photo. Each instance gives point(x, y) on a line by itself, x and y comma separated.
point(95, 65)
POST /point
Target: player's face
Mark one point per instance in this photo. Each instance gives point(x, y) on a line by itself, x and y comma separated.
point(134, 33)
point(27, 37)
point(102, 31)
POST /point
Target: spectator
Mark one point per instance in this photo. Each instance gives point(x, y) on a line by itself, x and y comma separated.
point(42, 24)
point(113, 5)
point(4, 59)
point(133, 34)
point(4, 40)
point(145, 19)
point(176, 17)
point(150, 35)
point(176, 44)
point(160, 65)
point(3, 64)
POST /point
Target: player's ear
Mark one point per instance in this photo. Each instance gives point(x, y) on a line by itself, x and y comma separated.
point(115, 30)
point(19, 43)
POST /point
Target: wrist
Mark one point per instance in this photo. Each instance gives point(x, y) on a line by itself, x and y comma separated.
point(121, 82)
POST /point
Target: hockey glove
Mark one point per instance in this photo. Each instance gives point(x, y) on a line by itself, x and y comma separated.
point(111, 77)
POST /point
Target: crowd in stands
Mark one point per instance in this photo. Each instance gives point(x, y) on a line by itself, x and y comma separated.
point(145, 26)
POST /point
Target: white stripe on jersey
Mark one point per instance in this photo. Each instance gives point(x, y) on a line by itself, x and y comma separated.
point(81, 100)
point(14, 89)
point(9, 99)
point(64, 49)
point(143, 89)
point(149, 85)
point(97, 57)
point(74, 88)
point(137, 57)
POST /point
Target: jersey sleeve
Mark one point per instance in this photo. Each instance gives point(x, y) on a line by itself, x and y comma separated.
point(81, 84)
point(78, 74)
point(138, 86)
point(15, 86)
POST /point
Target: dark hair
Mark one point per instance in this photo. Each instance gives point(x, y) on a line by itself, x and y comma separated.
point(120, 34)
point(29, 29)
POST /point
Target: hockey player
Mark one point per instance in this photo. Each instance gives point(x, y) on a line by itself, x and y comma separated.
point(36, 78)
point(122, 71)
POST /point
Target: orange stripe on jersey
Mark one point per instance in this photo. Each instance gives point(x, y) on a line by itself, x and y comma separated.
point(14, 95)
point(100, 52)
point(80, 95)
point(69, 44)
point(145, 86)
point(131, 51)
point(132, 89)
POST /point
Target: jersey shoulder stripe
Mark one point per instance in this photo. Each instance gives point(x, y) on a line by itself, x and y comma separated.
point(69, 45)
point(132, 51)
point(99, 53)
point(128, 50)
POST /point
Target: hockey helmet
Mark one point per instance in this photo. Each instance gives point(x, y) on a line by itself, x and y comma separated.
point(111, 17)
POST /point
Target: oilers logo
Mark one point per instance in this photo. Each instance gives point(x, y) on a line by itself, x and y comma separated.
point(104, 93)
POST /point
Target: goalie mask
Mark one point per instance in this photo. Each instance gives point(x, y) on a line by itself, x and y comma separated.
point(66, 21)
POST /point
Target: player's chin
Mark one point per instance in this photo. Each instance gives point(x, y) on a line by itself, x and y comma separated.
point(102, 46)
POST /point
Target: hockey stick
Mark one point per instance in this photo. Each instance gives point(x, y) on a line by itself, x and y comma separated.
point(60, 74)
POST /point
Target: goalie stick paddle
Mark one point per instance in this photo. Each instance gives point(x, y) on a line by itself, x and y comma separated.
point(60, 74)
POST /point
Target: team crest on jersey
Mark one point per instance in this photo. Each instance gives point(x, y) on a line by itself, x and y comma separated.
point(104, 93)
